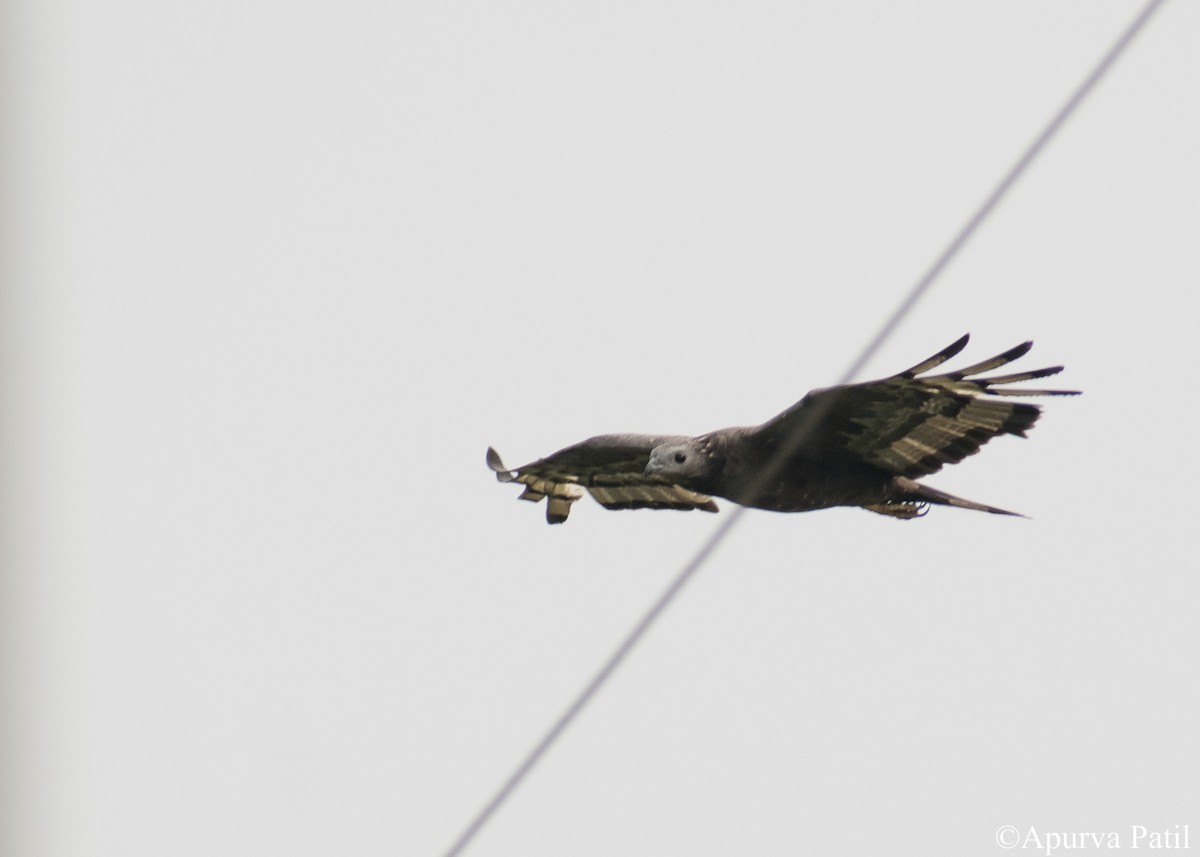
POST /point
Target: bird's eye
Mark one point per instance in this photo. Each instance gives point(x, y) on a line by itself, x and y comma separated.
point(680, 458)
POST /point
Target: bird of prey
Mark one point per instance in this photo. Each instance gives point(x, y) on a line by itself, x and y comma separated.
point(855, 445)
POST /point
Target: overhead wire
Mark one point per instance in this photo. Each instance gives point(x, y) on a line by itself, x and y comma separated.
point(812, 417)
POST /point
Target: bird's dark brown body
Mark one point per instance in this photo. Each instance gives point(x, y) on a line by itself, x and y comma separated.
point(803, 483)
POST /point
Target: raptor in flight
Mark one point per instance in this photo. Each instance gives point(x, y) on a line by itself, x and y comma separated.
point(854, 445)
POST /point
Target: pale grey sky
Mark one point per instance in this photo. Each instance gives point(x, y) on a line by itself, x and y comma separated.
point(278, 273)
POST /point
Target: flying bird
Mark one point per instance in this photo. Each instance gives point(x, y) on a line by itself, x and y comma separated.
point(854, 445)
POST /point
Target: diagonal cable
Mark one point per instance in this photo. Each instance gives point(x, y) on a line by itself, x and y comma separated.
point(812, 416)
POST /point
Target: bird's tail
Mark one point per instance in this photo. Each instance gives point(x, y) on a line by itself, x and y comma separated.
point(916, 492)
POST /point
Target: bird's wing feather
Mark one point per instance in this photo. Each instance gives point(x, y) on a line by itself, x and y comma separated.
point(609, 467)
point(913, 424)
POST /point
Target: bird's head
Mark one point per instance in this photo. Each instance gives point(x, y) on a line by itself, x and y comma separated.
point(685, 462)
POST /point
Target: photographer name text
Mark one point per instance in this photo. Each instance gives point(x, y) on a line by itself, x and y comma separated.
point(1135, 837)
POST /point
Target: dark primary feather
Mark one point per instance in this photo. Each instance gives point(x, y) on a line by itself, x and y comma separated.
point(867, 446)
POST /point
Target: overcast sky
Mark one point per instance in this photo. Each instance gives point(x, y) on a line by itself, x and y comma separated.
point(276, 274)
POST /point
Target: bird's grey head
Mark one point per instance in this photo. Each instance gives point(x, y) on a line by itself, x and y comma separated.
point(684, 462)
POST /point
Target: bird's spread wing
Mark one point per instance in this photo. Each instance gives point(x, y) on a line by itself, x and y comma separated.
point(912, 424)
point(609, 467)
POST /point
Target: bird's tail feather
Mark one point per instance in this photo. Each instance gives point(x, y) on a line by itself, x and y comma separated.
point(915, 491)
